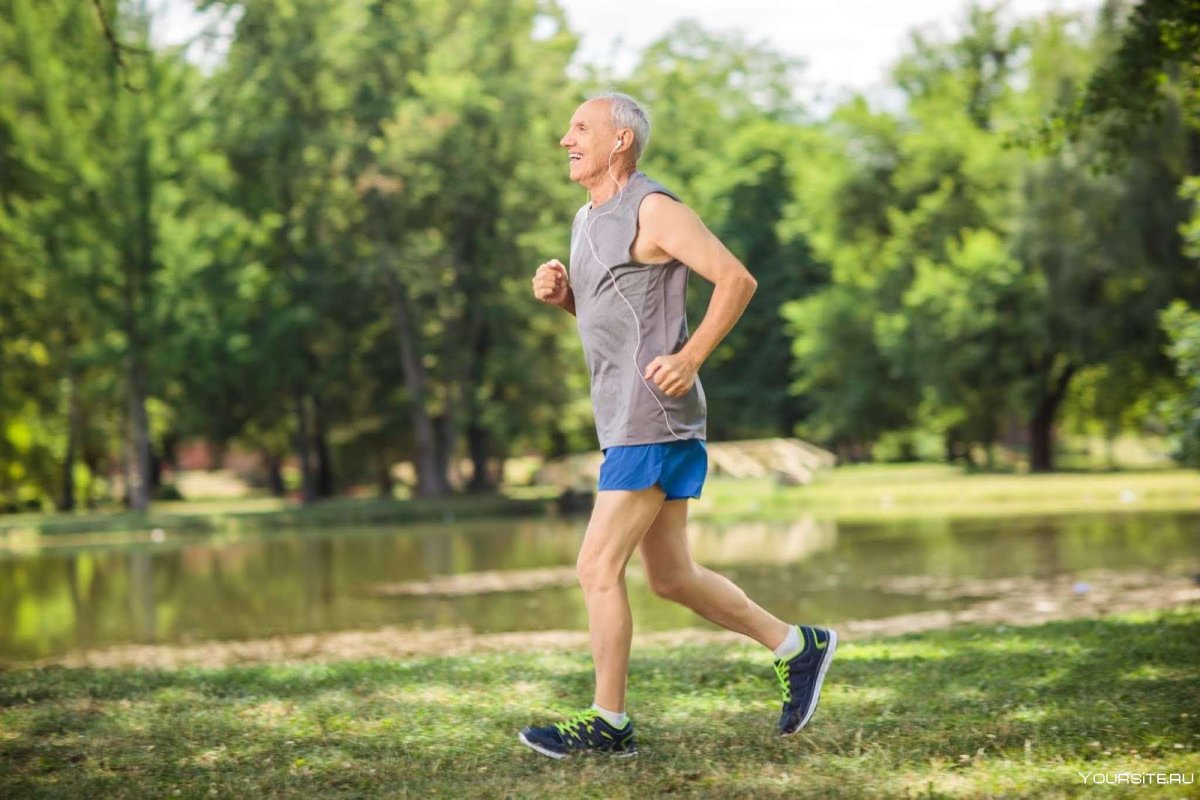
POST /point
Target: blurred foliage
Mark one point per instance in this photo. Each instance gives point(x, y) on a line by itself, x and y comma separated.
point(1150, 68)
point(1182, 325)
point(319, 250)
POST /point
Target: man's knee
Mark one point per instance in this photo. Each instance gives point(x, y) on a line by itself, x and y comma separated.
point(596, 573)
point(672, 584)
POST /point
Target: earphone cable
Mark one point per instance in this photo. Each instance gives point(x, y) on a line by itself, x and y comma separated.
point(588, 223)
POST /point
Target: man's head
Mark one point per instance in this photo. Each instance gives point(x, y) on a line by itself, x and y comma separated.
point(609, 124)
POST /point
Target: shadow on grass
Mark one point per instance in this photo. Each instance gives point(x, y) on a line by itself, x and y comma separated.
point(971, 711)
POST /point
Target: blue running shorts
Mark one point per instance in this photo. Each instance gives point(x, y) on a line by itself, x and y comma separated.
point(679, 467)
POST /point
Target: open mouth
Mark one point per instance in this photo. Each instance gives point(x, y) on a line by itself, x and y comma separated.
point(573, 157)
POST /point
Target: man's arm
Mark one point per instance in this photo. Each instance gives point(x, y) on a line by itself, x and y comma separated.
point(673, 228)
point(550, 285)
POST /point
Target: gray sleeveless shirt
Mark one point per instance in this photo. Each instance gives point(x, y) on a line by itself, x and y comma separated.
point(625, 410)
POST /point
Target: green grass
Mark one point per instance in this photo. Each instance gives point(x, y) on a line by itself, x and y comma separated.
point(860, 492)
point(891, 491)
point(271, 513)
point(969, 712)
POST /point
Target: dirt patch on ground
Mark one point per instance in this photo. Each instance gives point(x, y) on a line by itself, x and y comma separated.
point(1008, 601)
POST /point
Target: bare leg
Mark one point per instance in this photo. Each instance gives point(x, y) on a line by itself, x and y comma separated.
point(673, 574)
point(619, 520)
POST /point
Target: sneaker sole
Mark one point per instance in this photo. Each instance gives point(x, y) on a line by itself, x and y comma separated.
point(544, 751)
point(829, 651)
point(538, 748)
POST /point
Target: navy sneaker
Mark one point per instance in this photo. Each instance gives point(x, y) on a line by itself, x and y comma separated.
point(801, 677)
point(585, 732)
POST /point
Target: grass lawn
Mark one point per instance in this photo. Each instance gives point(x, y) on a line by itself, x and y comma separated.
point(272, 513)
point(890, 491)
point(967, 712)
point(858, 492)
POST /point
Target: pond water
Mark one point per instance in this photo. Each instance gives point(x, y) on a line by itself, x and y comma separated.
point(194, 588)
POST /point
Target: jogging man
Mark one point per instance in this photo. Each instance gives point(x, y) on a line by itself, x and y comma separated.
point(632, 245)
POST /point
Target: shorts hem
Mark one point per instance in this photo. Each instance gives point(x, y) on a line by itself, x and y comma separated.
point(626, 488)
point(669, 497)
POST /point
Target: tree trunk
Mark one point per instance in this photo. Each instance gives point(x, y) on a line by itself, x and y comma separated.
point(139, 263)
point(383, 477)
point(948, 446)
point(478, 444)
point(430, 464)
point(447, 432)
point(1041, 444)
point(66, 501)
point(303, 449)
point(156, 469)
point(139, 477)
point(325, 481)
point(472, 228)
point(991, 429)
point(93, 467)
point(558, 441)
point(275, 475)
point(137, 464)
point(1041, 423)
point(126, 471)
point(443, 432)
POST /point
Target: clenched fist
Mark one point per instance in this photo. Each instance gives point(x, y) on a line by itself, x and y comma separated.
point(550, 283)
point(673, 374)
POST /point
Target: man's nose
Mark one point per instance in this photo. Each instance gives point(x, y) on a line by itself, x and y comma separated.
point(564, 141)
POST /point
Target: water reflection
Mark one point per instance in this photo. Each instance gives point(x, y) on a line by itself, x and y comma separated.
point(762, 542)
point(189, 589)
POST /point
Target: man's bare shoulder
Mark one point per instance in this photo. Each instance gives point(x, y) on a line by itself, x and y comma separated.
point(662, 209)
point(662, 222)
point(657, 202)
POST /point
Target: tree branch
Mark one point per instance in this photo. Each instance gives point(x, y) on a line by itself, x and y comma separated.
point(118, 48)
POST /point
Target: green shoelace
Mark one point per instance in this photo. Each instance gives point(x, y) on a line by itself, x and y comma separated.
point(781, 672)
point(582, 719)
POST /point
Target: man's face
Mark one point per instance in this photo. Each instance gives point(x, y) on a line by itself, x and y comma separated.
point(589, 141)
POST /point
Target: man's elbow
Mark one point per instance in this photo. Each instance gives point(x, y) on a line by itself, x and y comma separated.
point(750, 284)
point(738, 279)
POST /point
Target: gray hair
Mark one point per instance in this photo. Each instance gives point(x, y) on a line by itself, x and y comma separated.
point(628, 113)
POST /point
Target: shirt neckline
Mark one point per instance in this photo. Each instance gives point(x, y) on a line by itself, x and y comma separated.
point(633, 175)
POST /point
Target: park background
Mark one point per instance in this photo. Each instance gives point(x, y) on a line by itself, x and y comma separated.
point(282, 429)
